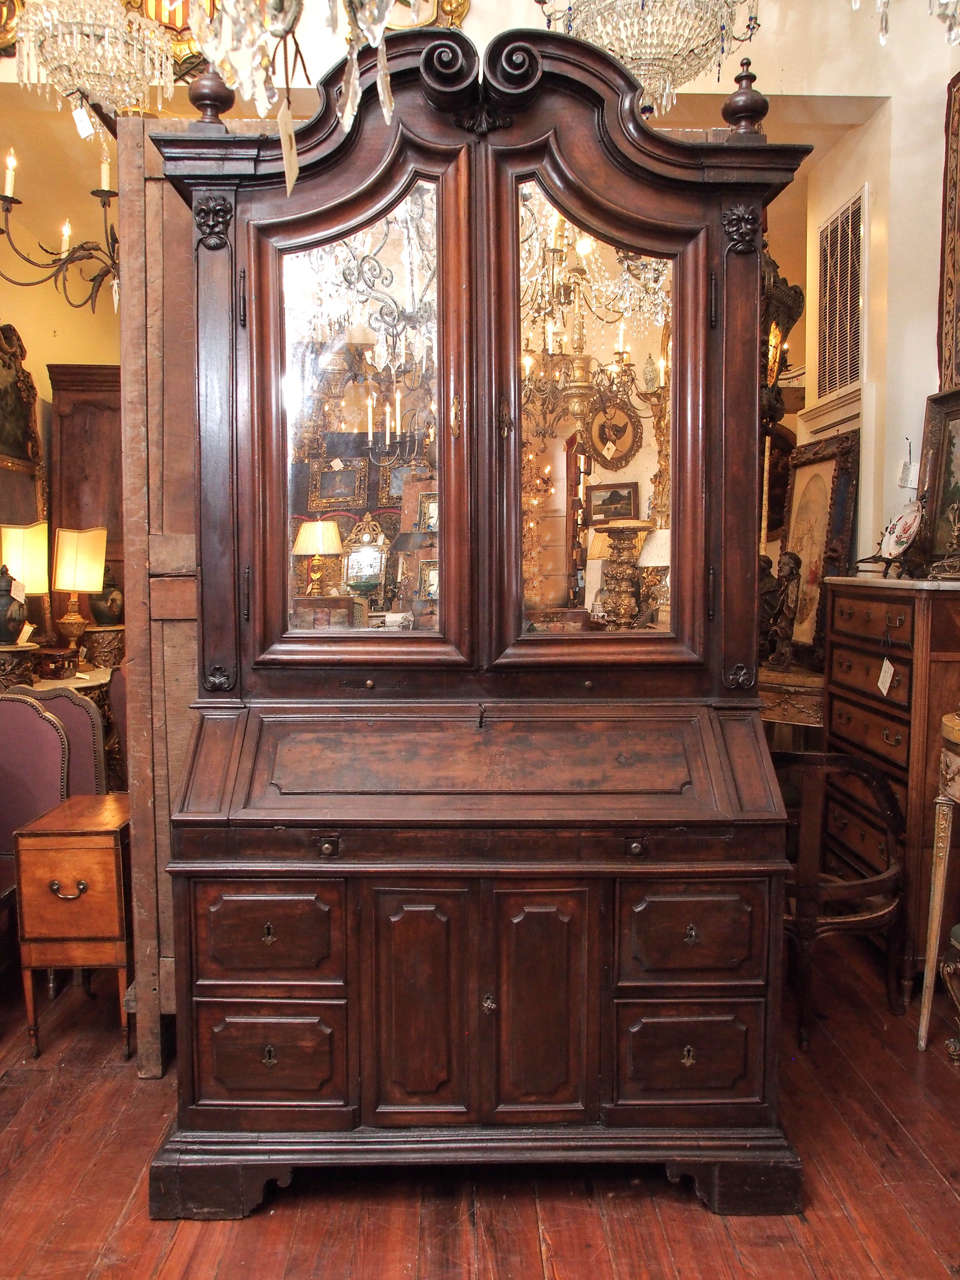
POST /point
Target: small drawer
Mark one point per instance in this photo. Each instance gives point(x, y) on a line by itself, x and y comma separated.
point(850, 789)
point(279, 931)
point(683, 844)
point(856, 835)
point(860, 671)
point(674, 931)
point(271, 1053)
point(689, 1050)
point(69, 891)
point(871, 730)
point(888, 621)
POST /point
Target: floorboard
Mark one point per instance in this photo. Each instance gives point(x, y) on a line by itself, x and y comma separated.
point(876, 1124)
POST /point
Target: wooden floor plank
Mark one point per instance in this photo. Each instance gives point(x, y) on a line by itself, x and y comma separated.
point(572, 1238)
point(635, 1239)
point(507, 1225)
point(448, 1237)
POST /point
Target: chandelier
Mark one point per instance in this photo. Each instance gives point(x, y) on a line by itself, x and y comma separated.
point(948, 11)
point(78, 271)
point(664, 43)
point(97, 48)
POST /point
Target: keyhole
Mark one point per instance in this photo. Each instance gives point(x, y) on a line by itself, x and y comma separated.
point(269, 1058)
point(688, 1057)
point(690, 935)
point(269, 934)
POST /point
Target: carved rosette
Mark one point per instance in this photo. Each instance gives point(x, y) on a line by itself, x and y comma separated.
point(219, 680)
point(742, 225)
point(740, 677)
point(213, 215)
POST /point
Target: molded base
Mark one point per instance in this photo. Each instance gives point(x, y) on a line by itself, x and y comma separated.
point(224, 1175)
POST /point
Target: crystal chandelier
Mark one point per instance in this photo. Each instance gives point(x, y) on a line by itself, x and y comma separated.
point(96, 48)
point(948, 11)
point(665, 43)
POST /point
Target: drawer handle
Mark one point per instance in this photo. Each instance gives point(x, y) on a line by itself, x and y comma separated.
point(845, 612)
point(893, 624)
point(841, 823)
point(897, 681)
point(638, 847)
point(269, 934)
point(269, 1058)
point(844, 664)
point(68, 897)
point(688, 1057)
point(844, 717)
point(690, 935)
point(488, 1004)
point(891, 741)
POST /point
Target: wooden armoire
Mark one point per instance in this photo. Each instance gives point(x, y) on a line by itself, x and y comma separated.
point(480, 854)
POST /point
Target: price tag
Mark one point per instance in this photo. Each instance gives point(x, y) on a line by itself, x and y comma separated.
point(886, 675)
point(608, 450)
point(336, 464)
point(18, 591)
point(26, 631)
point(288, 146)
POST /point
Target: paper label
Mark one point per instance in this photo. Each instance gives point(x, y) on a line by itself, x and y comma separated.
point(18, 591)
point(81, 119)
point(288, 146)
point(26, 631)
point(335, 464)
point(886, 675)
point(608, 450)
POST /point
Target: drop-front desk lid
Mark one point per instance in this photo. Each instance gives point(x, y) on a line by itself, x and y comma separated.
point(492, 763)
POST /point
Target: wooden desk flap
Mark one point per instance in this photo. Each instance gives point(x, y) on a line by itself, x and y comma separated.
point(496, 763)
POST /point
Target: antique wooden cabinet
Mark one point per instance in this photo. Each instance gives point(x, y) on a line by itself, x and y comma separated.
point(480, 852)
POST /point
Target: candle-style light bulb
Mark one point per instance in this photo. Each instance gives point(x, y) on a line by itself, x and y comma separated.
point(10, 174)
point(370, 420)
point(386, 422)
point(65, 233)
point(663, 371)
point(396, 401)
point(620, 337)
point(105, 173)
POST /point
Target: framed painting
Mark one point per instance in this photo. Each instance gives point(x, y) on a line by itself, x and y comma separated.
point(820, 506)
point(613, 434)
point(333, 486)
point(938, 484)
point(606, 502)
point(428, 513)
point(428, 580)
point(23, 477)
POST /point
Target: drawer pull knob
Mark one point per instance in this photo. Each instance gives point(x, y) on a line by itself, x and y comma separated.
point(488, 1004)
point(269, 1058)
point(897, 681)
point(690, 935)
point(892, 740)
point(327, 848)
point(894, 623)
point(638, 847)
point(68, 897)
point(688, 1057)
point(269, 934)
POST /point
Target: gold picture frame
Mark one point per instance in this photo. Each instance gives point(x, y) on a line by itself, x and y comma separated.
point(435, 13)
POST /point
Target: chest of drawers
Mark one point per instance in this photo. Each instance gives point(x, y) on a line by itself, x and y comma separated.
point(893, 671)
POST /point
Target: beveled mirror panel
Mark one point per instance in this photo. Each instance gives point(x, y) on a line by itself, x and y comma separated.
point(595, 374)
point(359, 393)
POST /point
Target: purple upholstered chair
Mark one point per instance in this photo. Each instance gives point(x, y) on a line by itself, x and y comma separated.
point(83, 725)
point(33, 779)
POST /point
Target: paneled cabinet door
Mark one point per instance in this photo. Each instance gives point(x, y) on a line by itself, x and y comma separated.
point(479, 1005)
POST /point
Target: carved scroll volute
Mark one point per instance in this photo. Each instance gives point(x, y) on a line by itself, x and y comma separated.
point(449, 70)
point(213, 212)
point(512, 71)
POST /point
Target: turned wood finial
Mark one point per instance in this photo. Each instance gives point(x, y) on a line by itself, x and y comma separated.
point(745, 109)
point(210, 96)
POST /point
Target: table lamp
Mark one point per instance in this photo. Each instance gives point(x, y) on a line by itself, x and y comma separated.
point(78, 563)
point(23, 549)
point(316, 538)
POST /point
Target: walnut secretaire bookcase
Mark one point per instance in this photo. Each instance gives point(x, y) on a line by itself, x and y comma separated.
point(480, 853)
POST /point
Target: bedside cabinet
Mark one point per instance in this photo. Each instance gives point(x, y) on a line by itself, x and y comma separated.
point(893, 672)
point(73, 894)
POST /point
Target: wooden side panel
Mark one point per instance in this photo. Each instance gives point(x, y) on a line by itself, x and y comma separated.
point(541, 1004)
point(420, 1048)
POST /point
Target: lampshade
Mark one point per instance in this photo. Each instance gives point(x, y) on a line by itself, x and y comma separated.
point(78, 559)
point(23, 549)
point(656, 549)
point(318, 538)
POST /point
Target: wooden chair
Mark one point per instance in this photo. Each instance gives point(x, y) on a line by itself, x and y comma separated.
point(83, 725)
point(34, 759)
point(845, 875)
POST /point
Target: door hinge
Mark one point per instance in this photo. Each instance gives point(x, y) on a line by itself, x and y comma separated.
point(711, 593)
point(242, 297)
point(245, 591)
point(714, 300)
